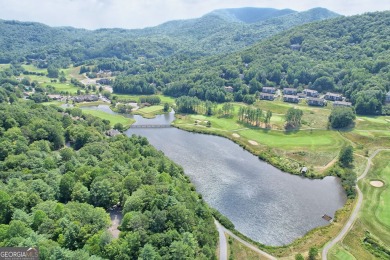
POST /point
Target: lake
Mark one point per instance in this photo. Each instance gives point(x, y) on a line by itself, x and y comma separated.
point(264, 203)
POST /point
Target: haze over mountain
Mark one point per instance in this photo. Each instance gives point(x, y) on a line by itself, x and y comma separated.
point(225, 30)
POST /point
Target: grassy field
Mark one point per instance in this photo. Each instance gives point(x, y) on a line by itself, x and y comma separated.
point(313, 147)
point(339, 253)
point(374, 218)
point(238, 251)
point(126, 122)
point(164, 99)
point(149, 112)
point(32, 68)
point(4, 66)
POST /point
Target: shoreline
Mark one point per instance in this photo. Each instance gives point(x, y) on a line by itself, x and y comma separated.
point(341, 215)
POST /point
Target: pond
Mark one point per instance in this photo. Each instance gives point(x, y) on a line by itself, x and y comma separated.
point(264, 203)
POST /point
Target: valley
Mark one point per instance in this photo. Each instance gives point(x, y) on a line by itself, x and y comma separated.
point(277, 169)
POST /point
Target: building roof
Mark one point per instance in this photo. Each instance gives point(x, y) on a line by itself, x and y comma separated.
point(342, 103)
point(290, 96)
point(333, 94)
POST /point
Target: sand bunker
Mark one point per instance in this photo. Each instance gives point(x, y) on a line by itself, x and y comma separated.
point(376, 184)
point(253, 142)
point(236, 135)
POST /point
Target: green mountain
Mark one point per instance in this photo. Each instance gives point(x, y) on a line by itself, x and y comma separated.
point(251, 14)
point(349, 55)
point(211, 34)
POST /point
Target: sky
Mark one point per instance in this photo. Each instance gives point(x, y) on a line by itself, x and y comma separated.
point(131, 14)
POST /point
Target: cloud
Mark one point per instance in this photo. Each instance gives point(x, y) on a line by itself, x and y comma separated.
point(94, 14)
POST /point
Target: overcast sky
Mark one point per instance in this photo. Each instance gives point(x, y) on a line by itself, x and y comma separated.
point(93, 14)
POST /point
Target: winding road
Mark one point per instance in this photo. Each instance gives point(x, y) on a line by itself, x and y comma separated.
point(223, 254)
point(355, 211)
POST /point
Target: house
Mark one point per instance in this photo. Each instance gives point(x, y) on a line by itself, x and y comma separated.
point(104, 73)
point(229, 89)
point(290, 99)
point(55, 97)
point(104, 81)
point(267, 96)
point(342, 104)
point(301, 95)
point(333, 96)
point(86, 98)
point(289, 91)
point(295, 47)
point(311, 93)
point(269, 90)
point(112, 132)
point(316, 102)
point(387, 99)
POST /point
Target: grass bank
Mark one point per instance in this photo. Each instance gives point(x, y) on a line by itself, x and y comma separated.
point(288, 151)
point(149, 112)
point(114, 119)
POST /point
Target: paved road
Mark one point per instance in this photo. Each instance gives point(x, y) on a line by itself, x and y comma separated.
point(355, 211)
point(223, 246)
point(223, 251)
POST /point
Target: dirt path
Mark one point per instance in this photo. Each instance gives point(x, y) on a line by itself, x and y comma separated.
point(116, 218)
point(355, 211)
point(223, 246)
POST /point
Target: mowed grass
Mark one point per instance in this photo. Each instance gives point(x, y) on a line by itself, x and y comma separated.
point(378, 199)
point(149, 112)
point(114, 119)
point(164, 99)
point(4, 66)
point(64, 87)
point(32, 68)
point(373, 122)
point(375, 212)
point(339, 253)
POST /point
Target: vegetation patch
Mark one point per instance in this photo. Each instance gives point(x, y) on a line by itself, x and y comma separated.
point(114, 119)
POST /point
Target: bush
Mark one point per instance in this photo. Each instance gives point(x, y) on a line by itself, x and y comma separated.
point(341, 117)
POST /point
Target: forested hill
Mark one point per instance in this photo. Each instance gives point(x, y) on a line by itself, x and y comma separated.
point(252, 14)
point(211, 34)
point(55, 197)
point(350, 55)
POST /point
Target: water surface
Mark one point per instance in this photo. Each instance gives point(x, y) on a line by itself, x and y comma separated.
point(264, 203)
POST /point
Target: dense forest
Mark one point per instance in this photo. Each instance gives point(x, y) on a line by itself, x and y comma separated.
point(213, 33)
point(56, 196)
point(348, 55)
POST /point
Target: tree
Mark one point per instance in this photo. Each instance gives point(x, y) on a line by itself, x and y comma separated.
point(52, 72)
point(166, 107)
point(80, 193)
point(103, 194)
point(299, 257)
point(341, 117)
point(313, 252)
point(5, 203)
point(323, 84)
point(148, 252)
point(66, 188)
point(119, 127)
point(293, 118)
point(268, 117)
point(346, 156)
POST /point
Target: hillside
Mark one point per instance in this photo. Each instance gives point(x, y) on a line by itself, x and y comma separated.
point(347, 54)
point(251, 14)
point(210, 34)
